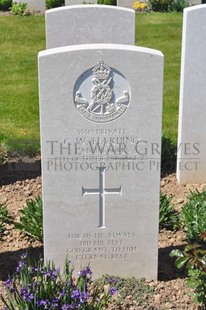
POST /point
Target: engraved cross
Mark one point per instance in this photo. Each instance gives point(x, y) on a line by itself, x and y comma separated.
point(101, 191)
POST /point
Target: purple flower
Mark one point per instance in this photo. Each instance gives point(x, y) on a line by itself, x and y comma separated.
point(112, 290)
point(47, 273)
point(85, 272)
point(36, 283)
point(23, 256)
point(80, 297)
point(68, 261)
point(28, 297)
point(84, 297)
point(88, 271)
point(20, 266)
point(55, 303)
point(8, 284)
point(55, 273)
point(67, 307)
point(23, 290)
point(62, 293)
point(40, 303)
point(111, 280)
point(35, 269)
point(75, 294)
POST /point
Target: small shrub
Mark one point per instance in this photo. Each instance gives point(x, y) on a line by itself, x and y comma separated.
point(20, 8)
point(193, 216)
point(180, 5)
point(137, 288)
point(107, 2)
point(21, 148)
point(168, 217)
point(42, 286)
point(139, 6)
point(168, 154)
point(31, 220)
point(50, 4)
point(3, 153)
point(5, 218)
point(161, 5)
point(5, 5)
point(194, 259)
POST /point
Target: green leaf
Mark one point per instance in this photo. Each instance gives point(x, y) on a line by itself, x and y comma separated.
point(31, 220)
point(193, 216)
point(189, 247)
point(176, 253)
point(192, 283)
point(168, 217)
point(180, 262)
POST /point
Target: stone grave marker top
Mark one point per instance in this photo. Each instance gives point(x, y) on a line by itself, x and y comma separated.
point(126, 3)
point(85, 24)
point(101, 115)
point(75, 2)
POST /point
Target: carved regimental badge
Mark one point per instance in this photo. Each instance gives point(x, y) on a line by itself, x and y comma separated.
point(101, 94)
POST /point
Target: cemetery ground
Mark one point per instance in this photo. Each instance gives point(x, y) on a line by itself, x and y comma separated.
point(169, 292)
point(20, 42)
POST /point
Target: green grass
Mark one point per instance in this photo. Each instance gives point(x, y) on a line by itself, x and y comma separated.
point(163, 31)
point(20, 40)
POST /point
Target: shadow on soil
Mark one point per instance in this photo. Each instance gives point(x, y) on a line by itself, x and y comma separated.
point(9, 260)
point(19, 170)
point(168, 156)
point(167, 270)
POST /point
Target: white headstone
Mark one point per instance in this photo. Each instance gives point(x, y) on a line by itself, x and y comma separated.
point(126, 3)
point(34, 5)
point(101, 109)
point(191, 163)
point(195, 2)
point(84, 24)
point(74, 2)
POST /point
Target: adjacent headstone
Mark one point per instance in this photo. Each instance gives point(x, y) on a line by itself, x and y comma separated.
point(191, 162)
point(126, 3)
point(84, 24)
point(101, 114)
point(34, 5)
point(74, 2)
point(195, 2)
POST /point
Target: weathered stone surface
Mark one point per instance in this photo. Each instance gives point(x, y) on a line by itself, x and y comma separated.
point(101, 111)
point(126, 3)
point(191, 162)
point(75, 2)
point(85, 24)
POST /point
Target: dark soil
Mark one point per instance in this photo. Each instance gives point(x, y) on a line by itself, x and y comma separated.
point(170, 291)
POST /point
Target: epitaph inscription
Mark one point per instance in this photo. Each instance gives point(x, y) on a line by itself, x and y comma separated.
point(103, 246)
point(101, 94)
